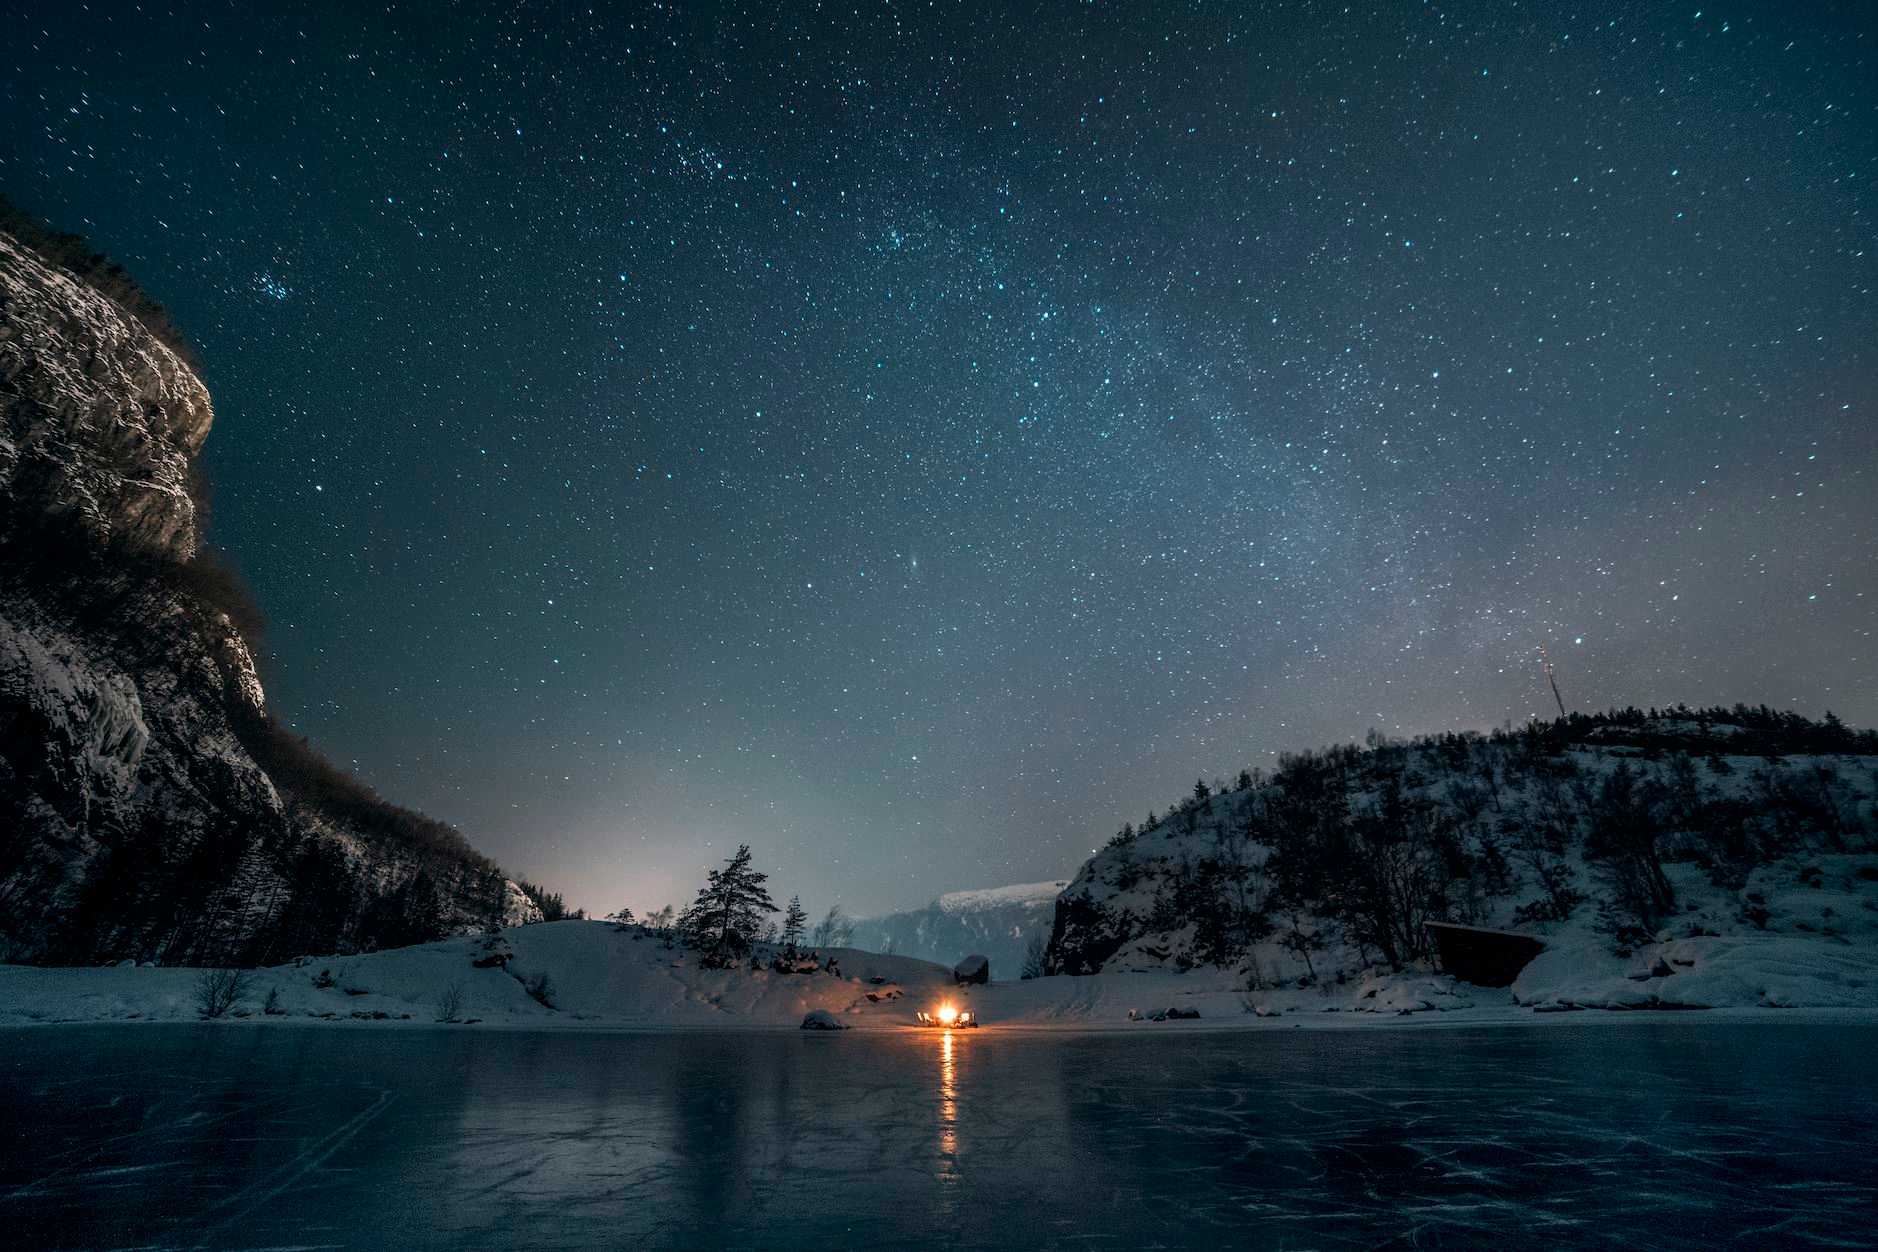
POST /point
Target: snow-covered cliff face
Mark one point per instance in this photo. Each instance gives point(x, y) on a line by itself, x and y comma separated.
point(997, 922)
point(1613, 838)
point(135, 820)
point(102, 421)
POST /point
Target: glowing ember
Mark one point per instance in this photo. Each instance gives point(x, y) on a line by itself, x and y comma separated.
point(948, 1014)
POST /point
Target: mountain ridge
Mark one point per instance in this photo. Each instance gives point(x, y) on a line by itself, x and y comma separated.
point(999, 923)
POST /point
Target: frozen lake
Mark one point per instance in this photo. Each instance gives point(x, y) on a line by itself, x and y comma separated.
point(1659, 1134)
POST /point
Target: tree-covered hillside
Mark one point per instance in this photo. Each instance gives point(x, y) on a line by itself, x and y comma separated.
point(1624, 825)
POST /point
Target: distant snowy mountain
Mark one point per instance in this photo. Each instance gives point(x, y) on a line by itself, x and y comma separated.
point(999, 922)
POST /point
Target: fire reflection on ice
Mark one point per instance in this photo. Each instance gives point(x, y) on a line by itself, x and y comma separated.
point(948, 1108)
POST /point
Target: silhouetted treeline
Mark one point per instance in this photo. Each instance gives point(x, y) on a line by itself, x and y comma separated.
point(60, 562)
point(75, 255)
point(307, 778)
point(551, 903)
point(1755, 730)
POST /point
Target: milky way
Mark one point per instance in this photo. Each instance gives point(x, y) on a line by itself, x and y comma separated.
point(914, 442)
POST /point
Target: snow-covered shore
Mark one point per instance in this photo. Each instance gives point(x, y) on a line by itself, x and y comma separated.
point(602, 977)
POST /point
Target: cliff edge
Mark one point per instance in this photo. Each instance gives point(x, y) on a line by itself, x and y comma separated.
point(149, 806)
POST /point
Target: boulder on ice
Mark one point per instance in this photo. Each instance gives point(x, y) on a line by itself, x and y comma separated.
point(821, 1019)
point(1484, 957)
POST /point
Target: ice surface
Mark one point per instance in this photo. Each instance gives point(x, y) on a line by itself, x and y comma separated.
point(1672, 1133)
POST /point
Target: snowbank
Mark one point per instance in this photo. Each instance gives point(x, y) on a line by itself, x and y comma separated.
point(1812, 943)
point(579, 974)
point(596, 974)
point(1711, 971)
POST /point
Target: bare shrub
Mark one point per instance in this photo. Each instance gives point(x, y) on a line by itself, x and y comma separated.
point(217, 990)
point(1033, 956)
point(540, 989)
point(450, 1003)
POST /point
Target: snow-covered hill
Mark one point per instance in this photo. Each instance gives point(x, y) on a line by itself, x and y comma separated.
point(999, 922)
point(596, 973)
point(1712, 857)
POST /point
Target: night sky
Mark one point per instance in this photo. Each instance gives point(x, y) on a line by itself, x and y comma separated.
point(914, 440)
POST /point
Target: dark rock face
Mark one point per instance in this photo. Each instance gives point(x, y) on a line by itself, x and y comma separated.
point(135, 819)
point(1486, 958)
point(1084, 933)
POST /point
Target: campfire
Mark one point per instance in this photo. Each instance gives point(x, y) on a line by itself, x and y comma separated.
point(948, 1017)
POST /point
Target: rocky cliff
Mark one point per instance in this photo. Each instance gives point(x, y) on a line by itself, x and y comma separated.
point(149, 808)
point(1629, 843)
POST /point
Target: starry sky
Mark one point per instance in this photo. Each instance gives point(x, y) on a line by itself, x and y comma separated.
point(914, 439)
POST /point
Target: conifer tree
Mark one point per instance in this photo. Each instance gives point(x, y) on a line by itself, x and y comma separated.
point(725, 919)
point(794, 922)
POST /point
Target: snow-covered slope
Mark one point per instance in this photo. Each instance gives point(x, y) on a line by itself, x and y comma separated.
point(999, 922)
point(597, 974)
point(147, 806)
point(1728, 857)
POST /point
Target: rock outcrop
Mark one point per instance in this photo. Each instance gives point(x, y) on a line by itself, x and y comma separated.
point(102, 421)
point(148, 807)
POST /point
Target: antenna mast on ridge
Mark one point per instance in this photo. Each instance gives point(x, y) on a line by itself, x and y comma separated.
point(1545, 662)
